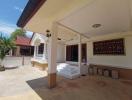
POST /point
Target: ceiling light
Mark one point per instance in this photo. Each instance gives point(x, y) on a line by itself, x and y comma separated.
point(96, 25)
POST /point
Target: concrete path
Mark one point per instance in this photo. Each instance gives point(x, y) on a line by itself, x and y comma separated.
point(13, 83)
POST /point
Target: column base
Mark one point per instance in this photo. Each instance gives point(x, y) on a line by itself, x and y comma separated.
point(52, 80)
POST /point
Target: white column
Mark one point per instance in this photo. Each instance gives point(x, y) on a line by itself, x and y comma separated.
point(80, 53)
point(52, 56)
point(34, 51)
point(45, 48)
point(37, 51)
point(44, 52)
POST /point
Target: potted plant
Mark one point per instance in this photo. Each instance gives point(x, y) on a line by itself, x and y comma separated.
point(6, 44)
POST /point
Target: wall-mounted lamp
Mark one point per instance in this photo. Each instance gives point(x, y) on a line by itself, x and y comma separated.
point(48, 33)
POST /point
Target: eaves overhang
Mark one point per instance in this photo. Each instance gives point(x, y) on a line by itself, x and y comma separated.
point(29, 11)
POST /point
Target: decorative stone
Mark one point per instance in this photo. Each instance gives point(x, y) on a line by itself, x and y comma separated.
point(106, 73)
point(100, 71)
point(115, 74)
point(90, 71)
point(95, 70)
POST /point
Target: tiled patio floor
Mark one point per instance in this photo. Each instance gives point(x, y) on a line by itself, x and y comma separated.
point(28, 83)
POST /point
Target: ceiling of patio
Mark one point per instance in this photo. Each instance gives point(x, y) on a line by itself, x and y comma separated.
point(113, 15)
point(51, 11)
point(81, 15)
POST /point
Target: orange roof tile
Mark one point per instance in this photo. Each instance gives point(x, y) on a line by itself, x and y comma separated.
point(24, 41)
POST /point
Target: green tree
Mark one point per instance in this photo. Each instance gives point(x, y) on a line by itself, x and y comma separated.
point(6, 44)
point(18, 32)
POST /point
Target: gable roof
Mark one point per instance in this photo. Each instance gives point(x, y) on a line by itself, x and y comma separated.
point(23, 41)
point(38, 37)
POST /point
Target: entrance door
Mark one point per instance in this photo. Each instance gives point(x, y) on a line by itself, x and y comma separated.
point(72, 53)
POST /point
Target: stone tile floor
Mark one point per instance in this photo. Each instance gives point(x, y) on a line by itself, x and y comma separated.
point(29, 83)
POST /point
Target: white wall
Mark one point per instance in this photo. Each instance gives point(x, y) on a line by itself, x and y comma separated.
point(16, 61)
point(118, 61)
point(124, 61)
point(60, 52)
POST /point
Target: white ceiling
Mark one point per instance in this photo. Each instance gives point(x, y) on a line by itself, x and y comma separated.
point(53, 10)
point(113, 15)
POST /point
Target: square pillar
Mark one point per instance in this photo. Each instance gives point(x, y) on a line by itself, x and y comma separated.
point(80, 53)
point(44, 58)
point(35, 50)
point(45, 48)
point(52, 56)
point(46, 51)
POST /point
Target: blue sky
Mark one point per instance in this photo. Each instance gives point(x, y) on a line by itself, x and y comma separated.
point(10, 11)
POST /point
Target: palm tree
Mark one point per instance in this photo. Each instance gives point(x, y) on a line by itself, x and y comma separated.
point(6, 44)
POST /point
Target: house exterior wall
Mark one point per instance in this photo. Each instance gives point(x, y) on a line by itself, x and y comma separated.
point(121, 61)
point(116, 61)
point(20, 52)
point(60, 52)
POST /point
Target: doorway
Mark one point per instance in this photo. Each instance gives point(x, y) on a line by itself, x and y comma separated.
point(72, 53)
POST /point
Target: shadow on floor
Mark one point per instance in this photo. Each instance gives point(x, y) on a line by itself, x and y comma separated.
point(65, 90)
point(40, 86)
point(84, 88)
point(38, 83)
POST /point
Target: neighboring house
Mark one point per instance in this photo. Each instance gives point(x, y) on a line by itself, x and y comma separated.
point(23, 47)
point(40, 44)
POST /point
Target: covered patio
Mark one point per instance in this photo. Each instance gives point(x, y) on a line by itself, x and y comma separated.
point(103, 26)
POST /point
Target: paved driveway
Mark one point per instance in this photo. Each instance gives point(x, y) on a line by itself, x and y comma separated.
point(14, 86)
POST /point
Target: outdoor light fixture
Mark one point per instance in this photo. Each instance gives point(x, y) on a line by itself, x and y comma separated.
point(59, 38)
point(48, 33)
point(96, 25)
